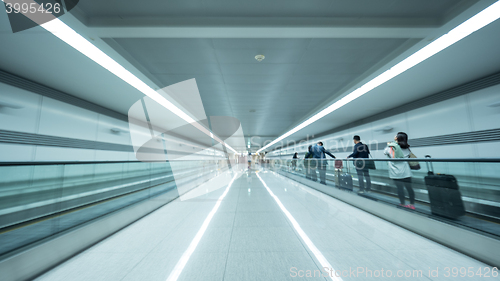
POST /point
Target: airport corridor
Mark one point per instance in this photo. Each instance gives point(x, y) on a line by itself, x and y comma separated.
point(263, 226)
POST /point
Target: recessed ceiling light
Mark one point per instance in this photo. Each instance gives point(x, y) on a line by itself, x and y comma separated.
point(260, 58)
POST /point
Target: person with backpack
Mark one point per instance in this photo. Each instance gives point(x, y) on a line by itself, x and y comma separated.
point(361, 151)
point(318, 152)
point(399, 171)
point(310, 165)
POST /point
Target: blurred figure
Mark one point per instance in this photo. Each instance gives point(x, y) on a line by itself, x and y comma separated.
point(361, 151)
point(318, 152)
point(400, 171)
point(310, 165)
point(294, 161)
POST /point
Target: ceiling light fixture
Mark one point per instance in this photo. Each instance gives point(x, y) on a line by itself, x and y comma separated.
point(463, 30)
point(75, 40)
point(260, 58)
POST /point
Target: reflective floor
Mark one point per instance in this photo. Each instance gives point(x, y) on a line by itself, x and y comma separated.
point(266, 227)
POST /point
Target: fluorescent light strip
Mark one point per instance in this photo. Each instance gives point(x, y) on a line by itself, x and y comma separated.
point(469, 26)
point(75, 40)
point(174, 275)
point(319, 256)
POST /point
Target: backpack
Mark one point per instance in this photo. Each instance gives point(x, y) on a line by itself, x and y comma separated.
point(309, 161)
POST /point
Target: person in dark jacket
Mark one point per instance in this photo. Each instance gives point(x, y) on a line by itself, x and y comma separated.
point(318, 152)
point(310, 165)
point(294, 160)
point(361, 150)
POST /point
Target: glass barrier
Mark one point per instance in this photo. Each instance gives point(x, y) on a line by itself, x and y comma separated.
point(463, 192)
point(40, 200)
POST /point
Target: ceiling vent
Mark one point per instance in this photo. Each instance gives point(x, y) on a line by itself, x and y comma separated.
point(385, 129)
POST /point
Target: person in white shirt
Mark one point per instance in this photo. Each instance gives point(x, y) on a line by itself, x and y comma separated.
point(400, 171)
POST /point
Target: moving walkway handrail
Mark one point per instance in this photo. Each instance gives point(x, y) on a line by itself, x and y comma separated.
point(39, 163)
point(469, 160)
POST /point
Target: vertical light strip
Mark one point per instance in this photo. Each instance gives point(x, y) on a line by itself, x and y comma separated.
point(319, 256)
point(174, 275)
point(480, 20)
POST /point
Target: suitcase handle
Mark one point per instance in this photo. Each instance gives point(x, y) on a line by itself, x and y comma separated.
point(430, 166)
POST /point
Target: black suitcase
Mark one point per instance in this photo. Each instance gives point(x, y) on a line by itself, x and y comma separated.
point(345, 180)
point(444, 196)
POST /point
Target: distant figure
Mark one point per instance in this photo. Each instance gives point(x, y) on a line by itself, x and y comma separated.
point(318, 152)
point(249, 160)
point(400, 171)
point(294, 160)
point(310, 165)
point(361, 150)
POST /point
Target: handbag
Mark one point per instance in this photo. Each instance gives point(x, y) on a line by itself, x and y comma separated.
point(362, 163)
point(370, 164)
point(414, 165)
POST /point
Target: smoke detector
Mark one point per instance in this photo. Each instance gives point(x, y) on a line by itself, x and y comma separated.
point(260, 58)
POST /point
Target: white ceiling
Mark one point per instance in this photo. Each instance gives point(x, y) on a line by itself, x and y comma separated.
point(296, 75)
point(316, 51)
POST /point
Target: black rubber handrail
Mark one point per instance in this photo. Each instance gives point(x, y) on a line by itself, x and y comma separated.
point(468, 160)
point(39, 163)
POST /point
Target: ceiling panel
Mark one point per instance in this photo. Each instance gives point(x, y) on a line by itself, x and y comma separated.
point(320, 78)
point(353, 43)
point(201, 79)
point(392, 8)
point(254, 87)
point(261, 43)
point(258, 68)
point(310, 87)
point(296, 76)
point(248, 55)
point(256, 79)
point(266, 8)
point(184, 68)
point(330, 68)
point(330, 56)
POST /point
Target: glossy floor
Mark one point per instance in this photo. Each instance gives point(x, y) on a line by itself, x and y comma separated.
point(250, 236)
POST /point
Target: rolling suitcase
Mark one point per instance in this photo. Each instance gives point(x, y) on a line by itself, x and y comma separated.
point(345, 180)
point(444, 196)
point(338, 171)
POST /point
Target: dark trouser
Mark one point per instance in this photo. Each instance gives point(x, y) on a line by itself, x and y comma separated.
point(406, 182)
point(311, 174)
point(322, 173)
point(366, 174)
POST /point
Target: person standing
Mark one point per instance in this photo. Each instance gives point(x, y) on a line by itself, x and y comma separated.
point(399, 171)
point(310, 165)
point(318, 152)
point(294, 160)
point(361, 151)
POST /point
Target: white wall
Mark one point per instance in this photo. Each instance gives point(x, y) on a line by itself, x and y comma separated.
point(31, 113)
point(467, 113)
